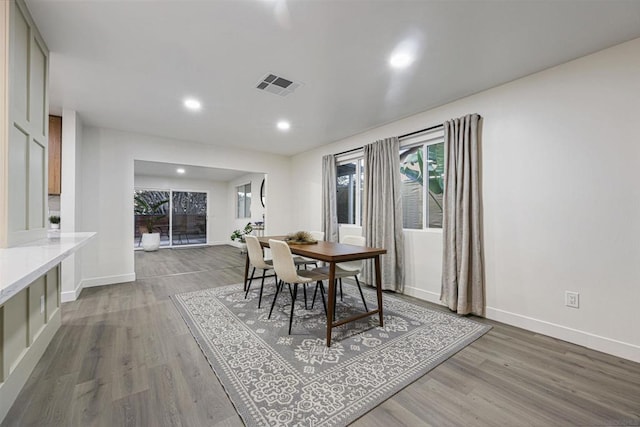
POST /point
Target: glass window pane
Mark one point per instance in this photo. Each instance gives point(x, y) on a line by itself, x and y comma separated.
point(189, 219)
point(411, 181)
point(346, 192)
point(435, 166)
point(243, 198)
point(240, 203)
point(151, 212)
point(361, 161)
point(247, 201)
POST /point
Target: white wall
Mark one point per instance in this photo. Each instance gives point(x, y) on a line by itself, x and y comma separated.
point(217, 199)
point(71, 188)
point(108, 183)
point(561, 199)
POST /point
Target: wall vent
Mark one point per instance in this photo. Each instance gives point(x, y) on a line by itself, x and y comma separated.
point(277, 85)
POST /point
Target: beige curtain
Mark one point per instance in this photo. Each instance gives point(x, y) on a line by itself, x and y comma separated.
point(462, 263)
point(382, 215)
point(329, 203)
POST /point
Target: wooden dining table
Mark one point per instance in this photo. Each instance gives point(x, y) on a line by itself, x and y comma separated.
point(333, 253)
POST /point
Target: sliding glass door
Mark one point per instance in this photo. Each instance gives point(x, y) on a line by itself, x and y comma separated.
point(189, 218)
point(151, 215)
point(179, 216)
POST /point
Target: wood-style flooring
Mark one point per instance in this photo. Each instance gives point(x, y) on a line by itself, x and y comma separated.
point(124, 357)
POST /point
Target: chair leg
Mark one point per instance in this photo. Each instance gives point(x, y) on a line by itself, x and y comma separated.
point(274, 299)
point(248, 284)
point(341, 296)
point(293, 303)
point(361, 294)
point(313, 301)
point(304, 290)
point(264, 273)
point(290, 290)
point(335, 297)
point(324, 303)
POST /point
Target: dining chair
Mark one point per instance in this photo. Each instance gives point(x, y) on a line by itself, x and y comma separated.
point(346, 269)
point(287, 273)
point(304, 261)
point(256, 259)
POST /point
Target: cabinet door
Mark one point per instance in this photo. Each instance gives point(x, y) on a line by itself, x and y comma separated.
point(23, 196)
point(55, 153)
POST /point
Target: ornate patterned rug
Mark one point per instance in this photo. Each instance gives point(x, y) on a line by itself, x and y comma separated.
point(273, 378)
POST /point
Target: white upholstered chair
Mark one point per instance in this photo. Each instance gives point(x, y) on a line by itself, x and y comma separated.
point(287, 273)
point(347, 269)
point(256, 260)
point(300, 260)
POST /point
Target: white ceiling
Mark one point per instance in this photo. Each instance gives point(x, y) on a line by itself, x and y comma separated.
point(191, 172)
point(128, 64)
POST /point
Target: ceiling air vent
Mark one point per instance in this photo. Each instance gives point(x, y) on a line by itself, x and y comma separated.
point(277, 85)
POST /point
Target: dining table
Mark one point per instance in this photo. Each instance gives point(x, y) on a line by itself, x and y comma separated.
point(333, 253)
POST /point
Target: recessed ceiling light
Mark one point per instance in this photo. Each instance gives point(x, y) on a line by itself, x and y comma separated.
point(180, 170)
point(284, 125)
point(192, 104)
point(400, 60)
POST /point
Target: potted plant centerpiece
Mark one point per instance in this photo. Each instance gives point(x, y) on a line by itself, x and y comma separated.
point(54, 220)
point(151, 213)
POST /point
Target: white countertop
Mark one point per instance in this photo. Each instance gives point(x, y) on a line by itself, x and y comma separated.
point(21, 265)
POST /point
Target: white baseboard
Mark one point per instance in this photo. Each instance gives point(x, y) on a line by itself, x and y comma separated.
point(422, 294)
point(71, 295)
point(575, 336)
point(108, 280)
point(239, 245)
point(585, 339)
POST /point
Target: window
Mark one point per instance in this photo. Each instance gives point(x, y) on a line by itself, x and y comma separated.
point(349, 184)
point(422, 204)
point(421, 176)
point(243, 201)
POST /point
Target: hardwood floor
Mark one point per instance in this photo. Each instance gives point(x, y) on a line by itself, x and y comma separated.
point(124, 357)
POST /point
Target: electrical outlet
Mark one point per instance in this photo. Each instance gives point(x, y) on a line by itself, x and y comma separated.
point(41, 304)
point(572, 299)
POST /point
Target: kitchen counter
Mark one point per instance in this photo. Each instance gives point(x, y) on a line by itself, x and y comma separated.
point(21, 265)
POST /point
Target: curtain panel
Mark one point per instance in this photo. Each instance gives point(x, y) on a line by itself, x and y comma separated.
point(382, 214)
point(462, 261)
point(329, 201)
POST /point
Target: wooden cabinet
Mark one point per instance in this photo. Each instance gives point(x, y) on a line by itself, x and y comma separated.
point(55, 153)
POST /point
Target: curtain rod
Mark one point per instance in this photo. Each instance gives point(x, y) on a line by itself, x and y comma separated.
point(420, 131)
point(400, 137)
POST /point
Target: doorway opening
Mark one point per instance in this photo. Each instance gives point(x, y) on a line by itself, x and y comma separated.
point(179, 216)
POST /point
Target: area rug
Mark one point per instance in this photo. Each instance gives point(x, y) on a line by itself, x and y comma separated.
point(276, 379)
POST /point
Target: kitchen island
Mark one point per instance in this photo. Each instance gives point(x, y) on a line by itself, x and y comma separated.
point(29, 307)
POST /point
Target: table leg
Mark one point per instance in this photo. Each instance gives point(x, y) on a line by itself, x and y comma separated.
point(332, 296)
point(379, 287)
point(246, 272)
